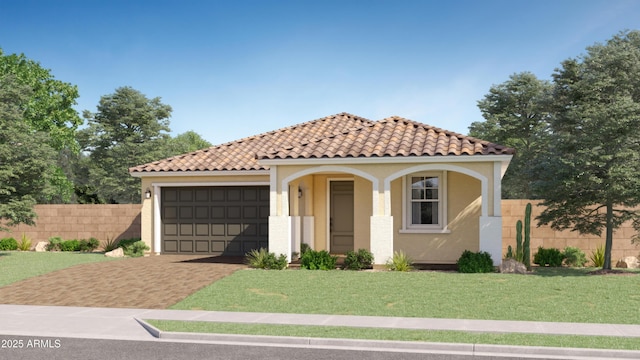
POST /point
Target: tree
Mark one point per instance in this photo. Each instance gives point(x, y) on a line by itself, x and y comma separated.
point(594, 182)
point(26, 159)
point(128, 129)
point(49, 105)
point(516, 115)
point(186, 142)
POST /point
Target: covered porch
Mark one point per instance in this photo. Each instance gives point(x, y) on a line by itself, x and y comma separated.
point(431, 211)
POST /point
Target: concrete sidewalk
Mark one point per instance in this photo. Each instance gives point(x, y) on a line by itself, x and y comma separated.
point(128, 324)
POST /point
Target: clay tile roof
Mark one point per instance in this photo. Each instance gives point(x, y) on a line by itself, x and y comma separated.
point(337, 136)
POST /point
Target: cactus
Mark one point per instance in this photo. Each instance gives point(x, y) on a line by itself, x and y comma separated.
point(519, 241)
point(526, 247)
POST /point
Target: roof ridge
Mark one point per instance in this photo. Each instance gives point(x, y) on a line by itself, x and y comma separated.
point(291, 127)
point(440, 130)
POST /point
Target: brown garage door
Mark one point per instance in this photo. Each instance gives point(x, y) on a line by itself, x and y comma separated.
point(220, 220)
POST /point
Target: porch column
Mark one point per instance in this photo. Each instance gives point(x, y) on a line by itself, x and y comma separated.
point(381, 238)
point(491, 237)
point(157, 221)
point(280, 235)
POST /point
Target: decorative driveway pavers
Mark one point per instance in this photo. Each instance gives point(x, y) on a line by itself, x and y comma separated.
point(154, 282)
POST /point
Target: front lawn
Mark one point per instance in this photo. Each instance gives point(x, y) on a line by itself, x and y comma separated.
point(19, 265)
point(560, 295)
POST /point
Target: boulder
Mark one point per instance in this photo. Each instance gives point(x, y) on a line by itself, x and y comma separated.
point(511, 266)
point(629, 262)
point(41, 246)
point(117, 253)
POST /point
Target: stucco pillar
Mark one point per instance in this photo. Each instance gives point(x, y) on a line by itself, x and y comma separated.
point(280, 235)
point(296, 233)
point(308, 228)
point(491, 237)
point(381, 238)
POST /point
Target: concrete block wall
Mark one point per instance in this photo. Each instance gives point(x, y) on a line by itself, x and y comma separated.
point(513, 210)
point(122, 221)
point(78, 221)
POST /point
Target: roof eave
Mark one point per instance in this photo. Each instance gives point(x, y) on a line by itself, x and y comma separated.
point(141, 174)
point(388, 159)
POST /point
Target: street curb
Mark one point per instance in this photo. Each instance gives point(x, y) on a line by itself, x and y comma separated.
point(530, 352)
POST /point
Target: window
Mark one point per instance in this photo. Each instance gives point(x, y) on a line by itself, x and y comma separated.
point(425, 202)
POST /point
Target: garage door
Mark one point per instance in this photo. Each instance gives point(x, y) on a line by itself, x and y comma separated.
point(214, 220)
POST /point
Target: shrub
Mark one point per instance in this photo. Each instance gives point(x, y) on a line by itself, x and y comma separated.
point(318, 260)
point(110, 244)
point(8, 244)
point(574, 257)
point(548, 257)
point(263, 259)
point(70, 245)
point(358, 260)
point(124, 243)
point(89, 245)
point(399, 262)
point(597, 256)
point(54, 243)
point(304, 248)
point(475, 262)
point(134, 249)
point(25, 243)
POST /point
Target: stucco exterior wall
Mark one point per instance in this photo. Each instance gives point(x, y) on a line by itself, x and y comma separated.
point(463, 212)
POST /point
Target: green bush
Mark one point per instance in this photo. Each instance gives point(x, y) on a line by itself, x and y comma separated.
point(475, 262)
point(399, 262)
point(358, 260)
point(574, 257)
point(597, 256)
point(304, 248)
point(318, 260)
point(134, 249)
point(89, 245)
point(548, 257)
point(8, 244)
point(263, 259)
point(124, 243)
point(70, 245)
point(54, 243)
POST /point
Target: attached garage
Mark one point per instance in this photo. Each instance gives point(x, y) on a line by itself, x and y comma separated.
point(216, 220)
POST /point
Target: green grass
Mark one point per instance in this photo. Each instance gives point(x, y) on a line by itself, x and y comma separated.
point(564, 295)
point(19, 265)
point(596, 342)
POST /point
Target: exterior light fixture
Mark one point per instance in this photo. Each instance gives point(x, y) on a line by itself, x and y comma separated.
point(147, 194)
point(299, 192)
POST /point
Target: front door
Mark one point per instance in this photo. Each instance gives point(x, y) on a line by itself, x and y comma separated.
point(341, 216)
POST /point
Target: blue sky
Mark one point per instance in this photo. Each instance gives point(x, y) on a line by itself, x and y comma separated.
point(236, 68)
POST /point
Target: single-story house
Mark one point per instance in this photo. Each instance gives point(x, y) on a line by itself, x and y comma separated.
point(337, 183)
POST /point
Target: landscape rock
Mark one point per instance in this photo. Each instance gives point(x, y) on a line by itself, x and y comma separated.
point(117, 253)
point(511, 266)
point(629, 262)
point(41, 246)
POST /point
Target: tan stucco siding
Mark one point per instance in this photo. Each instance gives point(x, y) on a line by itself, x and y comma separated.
point(463, 212)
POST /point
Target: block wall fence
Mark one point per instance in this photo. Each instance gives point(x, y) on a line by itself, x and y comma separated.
point(79, 221)
point(122, 221)
point(513, 210)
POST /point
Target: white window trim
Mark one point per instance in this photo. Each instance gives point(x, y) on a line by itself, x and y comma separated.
point(441, 227)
